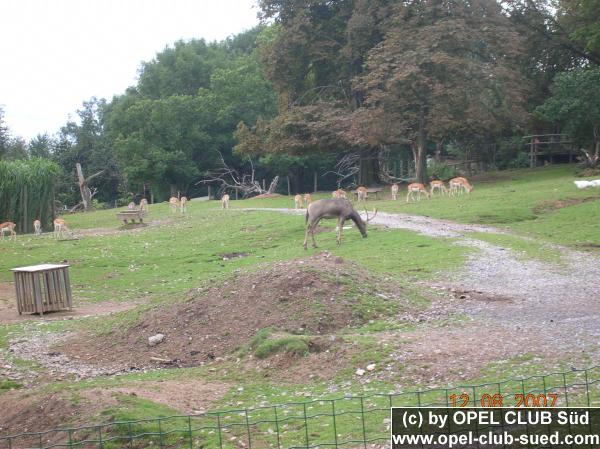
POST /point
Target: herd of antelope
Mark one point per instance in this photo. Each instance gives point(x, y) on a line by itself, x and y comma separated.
point(60, 228)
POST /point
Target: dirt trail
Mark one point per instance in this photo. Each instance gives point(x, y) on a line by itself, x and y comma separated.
point(515, 305)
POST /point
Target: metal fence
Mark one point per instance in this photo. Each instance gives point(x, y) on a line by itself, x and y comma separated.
point(342, 422)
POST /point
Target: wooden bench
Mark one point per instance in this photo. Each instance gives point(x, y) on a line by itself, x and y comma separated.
point(370, 190)
point(42, 288)
point(131, 215)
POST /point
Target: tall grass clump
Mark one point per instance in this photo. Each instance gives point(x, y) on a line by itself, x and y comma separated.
point(27, 192)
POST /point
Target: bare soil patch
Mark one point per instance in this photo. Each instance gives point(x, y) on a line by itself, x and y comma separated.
point(551, 206)
point(10, 314)
point(268, 195)
point(308, 296)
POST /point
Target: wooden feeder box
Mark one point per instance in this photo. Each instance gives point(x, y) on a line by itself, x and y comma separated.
point(42, 288)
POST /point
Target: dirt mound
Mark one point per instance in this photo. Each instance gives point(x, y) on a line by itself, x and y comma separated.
point(267, 195)
point(314, 296)
point(551, 206)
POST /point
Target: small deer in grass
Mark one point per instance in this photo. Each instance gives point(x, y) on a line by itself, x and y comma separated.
point(37, 227)
point(339, 193)
point(459, 185)
point(60, 227)
point(131, 206)
point(307, 199)
point(144, 204)
point(339, 208)
point(183, 204)
point(439, 185)
point(225, 201)
point(416, 188)
point(8, 226)
point(394, 189)
point(361, 193)
point(174, 203)
point(298, 202)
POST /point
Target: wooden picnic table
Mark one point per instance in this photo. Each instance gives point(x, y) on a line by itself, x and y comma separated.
point(43, 288)
point(131, 214)
point(370, 190)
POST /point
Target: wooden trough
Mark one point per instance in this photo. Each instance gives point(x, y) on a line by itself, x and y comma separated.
point(131, 215)
point(43, 288)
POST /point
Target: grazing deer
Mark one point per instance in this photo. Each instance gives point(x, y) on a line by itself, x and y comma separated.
point(307, 199)
point(225, 201)
point(458, 185)
point(131, 206)
point(361, 193)
point(60, 226)
point(37, 227)
point(8, 226)
point(339, 208)
point(439, 185)
point(144, 204)
point(418, 188)
point(174, 203)
point(394, 190)
point(339, 193)
point(183, 204)
point(298, 202)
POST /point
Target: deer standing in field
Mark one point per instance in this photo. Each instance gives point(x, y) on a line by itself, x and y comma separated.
point(8, 226)
point(416, 188)
point(174, 203)
point(183, 204)
point(439, 185)
point(339, 193)
point(307, 199)
point(144, 204)
point(131, 206)
point(361, 193)
point(339, 208)
point(37, 227)
point(225, 201)
point(394, 189)
point(60, 226)
point(298, 202)
point(458, 185)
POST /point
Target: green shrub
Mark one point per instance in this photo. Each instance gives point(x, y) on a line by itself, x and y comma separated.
point(294, 346)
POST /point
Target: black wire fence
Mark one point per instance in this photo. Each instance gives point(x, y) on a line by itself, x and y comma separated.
point(343, 422)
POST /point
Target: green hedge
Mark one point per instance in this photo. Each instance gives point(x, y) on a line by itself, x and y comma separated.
point(27, 192)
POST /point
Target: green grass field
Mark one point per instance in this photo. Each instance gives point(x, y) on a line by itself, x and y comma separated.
point(161, 262)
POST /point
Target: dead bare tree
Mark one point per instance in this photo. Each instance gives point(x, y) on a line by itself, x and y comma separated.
point(87, 193)
point(230, 179)
point(347, 167)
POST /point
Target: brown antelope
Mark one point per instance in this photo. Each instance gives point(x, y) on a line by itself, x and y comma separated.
point(361, 193)
point(418, 188)
point(394, 190)
point(183, 204)
point(131, 206)
point(225, 201)
point(339, 208)
point(458, 185)
point(298, 202)
point(60, 226)
point(174, 203)
point(37, 227)
point(439, 185)
point(339, 193)
point(307, 199)
point(8, 226)
point(144, 204)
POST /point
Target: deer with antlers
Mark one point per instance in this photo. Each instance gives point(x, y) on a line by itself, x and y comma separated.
point(459, 185)
point(225, 201)
point(438, 185)
point(60, 227)
point(394, 189)
point(8, 226)
point(416, 188)
point(339, 208)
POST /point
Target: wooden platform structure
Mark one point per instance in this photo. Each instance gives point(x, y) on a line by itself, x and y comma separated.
point(131, 214)
point(370, 191)
point(43, 288)
point(548, 145)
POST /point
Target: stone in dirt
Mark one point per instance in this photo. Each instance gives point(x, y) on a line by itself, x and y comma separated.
point(155, 339)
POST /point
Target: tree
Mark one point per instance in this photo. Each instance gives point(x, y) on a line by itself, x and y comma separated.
point(4, 135)
point(575, 104)
point(40, 146)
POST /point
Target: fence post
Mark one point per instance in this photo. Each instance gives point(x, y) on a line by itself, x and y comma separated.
point(277, 427)
point(334, 423)
point(190, 431)
point(362, 415)
point(248, 425)
point(305, 424)
point(220, 435)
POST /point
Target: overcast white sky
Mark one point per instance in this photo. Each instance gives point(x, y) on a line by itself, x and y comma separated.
point(54, 54)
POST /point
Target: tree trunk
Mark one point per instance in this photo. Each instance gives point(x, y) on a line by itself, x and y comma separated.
point(86, 194)
point(421, 151)
point(273, 185)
